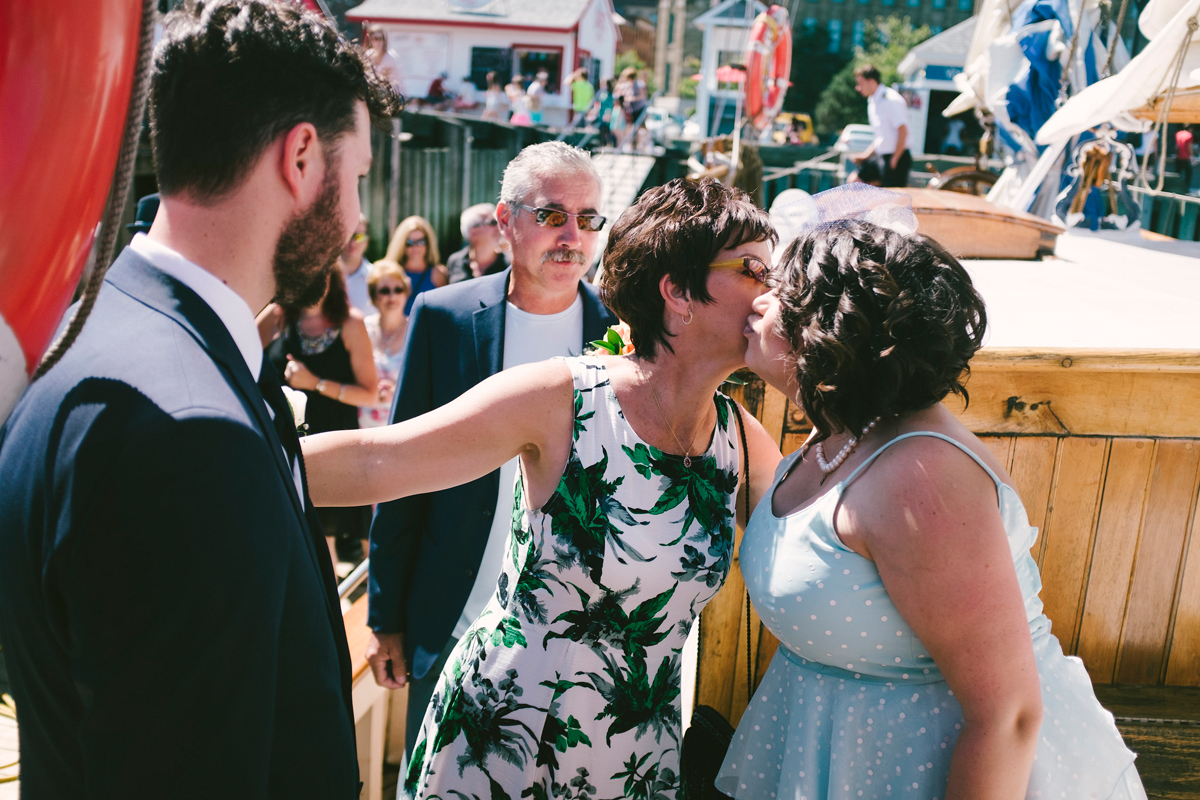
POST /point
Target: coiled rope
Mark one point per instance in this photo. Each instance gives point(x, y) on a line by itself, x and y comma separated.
point(123, 176)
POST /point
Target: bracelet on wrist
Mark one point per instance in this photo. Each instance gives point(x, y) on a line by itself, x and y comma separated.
point(321, 384)
point(341, 392)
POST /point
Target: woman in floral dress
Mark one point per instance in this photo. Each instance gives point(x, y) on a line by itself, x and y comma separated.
point(567, 686)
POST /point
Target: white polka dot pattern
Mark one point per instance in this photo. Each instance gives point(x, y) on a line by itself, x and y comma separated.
point(853, 706)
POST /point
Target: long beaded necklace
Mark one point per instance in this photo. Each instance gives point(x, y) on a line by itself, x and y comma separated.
point(827, 467)
point(687, 451)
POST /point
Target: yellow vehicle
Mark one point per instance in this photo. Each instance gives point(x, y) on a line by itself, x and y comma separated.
point(793, 129)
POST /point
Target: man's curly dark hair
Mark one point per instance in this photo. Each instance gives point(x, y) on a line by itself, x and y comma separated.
point(230, 76)
point(879, 323)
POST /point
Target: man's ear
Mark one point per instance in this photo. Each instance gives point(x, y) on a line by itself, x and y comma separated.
point(303, 162)
point(504, 219)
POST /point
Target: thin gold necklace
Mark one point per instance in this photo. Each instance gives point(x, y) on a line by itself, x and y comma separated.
point(687, 451)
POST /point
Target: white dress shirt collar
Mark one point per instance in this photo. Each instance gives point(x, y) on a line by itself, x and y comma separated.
point(227, 304)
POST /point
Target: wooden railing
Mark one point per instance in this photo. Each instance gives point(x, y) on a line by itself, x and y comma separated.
point(1104, 448)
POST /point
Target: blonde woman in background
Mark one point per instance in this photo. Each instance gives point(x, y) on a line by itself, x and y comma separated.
point(388, 287)
point(375, 40)
point(414, 249)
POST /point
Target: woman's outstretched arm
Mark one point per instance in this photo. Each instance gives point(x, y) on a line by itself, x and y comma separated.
point(524, 411)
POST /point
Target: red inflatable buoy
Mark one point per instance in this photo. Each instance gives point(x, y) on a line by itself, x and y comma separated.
point(66, 68)
point(768, 66)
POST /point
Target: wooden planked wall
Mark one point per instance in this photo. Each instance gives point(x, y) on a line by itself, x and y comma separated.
point(1104, 449)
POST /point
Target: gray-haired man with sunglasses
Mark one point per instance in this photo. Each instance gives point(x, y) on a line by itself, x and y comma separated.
point(435, 558)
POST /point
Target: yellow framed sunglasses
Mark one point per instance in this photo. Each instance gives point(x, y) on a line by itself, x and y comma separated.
point(752, 264)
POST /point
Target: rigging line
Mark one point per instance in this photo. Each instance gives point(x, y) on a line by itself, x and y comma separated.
point(118, 194)
point(1164, 113)
point(1066, 75)
point(1116, 35)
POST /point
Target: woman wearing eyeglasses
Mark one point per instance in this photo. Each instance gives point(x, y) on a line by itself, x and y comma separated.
point(388, 287)
point(375, 40)
point(414, 249)
point(623, 512)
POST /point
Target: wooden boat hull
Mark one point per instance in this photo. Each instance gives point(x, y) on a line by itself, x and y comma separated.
point(971, 227)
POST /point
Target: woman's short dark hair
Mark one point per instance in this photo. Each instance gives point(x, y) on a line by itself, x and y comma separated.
point(675, 229)
point(879, 323)
point(230, 76)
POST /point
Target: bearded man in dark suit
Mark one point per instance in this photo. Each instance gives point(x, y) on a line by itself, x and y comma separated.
point(170, 622)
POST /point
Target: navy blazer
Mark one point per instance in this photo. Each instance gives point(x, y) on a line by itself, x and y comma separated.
point(426, 549)
point(170, 620)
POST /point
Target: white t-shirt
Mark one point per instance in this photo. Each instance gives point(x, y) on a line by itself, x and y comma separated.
point(528, 338)
point(356, 289)
point(887, 111)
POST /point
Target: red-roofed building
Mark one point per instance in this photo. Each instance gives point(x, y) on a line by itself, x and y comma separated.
point(468, 38)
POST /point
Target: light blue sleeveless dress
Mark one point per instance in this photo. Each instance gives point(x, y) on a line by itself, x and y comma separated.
point(853, 706)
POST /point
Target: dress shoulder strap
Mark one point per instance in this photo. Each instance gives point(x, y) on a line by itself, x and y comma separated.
point(935, 435)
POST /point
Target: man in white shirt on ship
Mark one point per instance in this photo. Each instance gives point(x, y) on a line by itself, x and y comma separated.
point(888, 115)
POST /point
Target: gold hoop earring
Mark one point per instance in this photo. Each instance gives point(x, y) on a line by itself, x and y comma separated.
point(688, 319)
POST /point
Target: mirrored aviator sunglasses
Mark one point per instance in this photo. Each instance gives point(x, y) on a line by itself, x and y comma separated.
point(753, 266)
point(554, 218)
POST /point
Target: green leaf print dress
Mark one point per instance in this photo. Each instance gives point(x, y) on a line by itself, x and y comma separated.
point(567, 686)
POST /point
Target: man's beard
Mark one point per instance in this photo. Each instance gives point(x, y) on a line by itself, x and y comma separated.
point(308, 248)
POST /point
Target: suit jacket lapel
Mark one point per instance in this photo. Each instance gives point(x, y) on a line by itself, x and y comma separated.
point(489, 327)
point(136, 277)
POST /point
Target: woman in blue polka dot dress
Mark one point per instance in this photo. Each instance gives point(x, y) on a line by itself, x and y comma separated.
point(891, 558)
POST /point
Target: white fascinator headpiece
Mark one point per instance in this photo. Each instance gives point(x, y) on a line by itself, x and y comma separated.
point(796, 212)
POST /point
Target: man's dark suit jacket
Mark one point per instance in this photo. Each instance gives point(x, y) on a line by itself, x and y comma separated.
point(426, 549)
point(169, 617)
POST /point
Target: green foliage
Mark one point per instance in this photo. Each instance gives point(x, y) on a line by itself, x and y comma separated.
point(885, 43)
point(687, 86)
point(630, 58)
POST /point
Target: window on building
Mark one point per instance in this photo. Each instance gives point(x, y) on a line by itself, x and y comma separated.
point(935, 29)
point(888, 2)
point(530, 61)
point(490, 59)
point(966, 5)
point(914, 3)
point(835, 35)
point(939, 3)
point(860, 29)
point(810, 24)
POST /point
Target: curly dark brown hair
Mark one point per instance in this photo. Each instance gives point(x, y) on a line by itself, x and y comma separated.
point(675, 229)
point(879, 323)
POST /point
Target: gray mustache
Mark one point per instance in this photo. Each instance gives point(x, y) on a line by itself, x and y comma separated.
point(565, 254)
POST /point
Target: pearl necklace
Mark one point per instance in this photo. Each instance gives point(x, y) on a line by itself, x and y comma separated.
point(829, 466)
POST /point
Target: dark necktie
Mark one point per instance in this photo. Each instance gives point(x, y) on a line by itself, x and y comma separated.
point(285, 425)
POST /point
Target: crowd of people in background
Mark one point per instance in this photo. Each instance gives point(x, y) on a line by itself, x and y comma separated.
point(346, 352)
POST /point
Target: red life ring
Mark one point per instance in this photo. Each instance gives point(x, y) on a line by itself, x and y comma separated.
point(63, 99)
point(768, 65)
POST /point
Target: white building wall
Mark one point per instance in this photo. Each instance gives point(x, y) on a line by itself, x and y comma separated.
point(598, 36)
point(423, 51)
